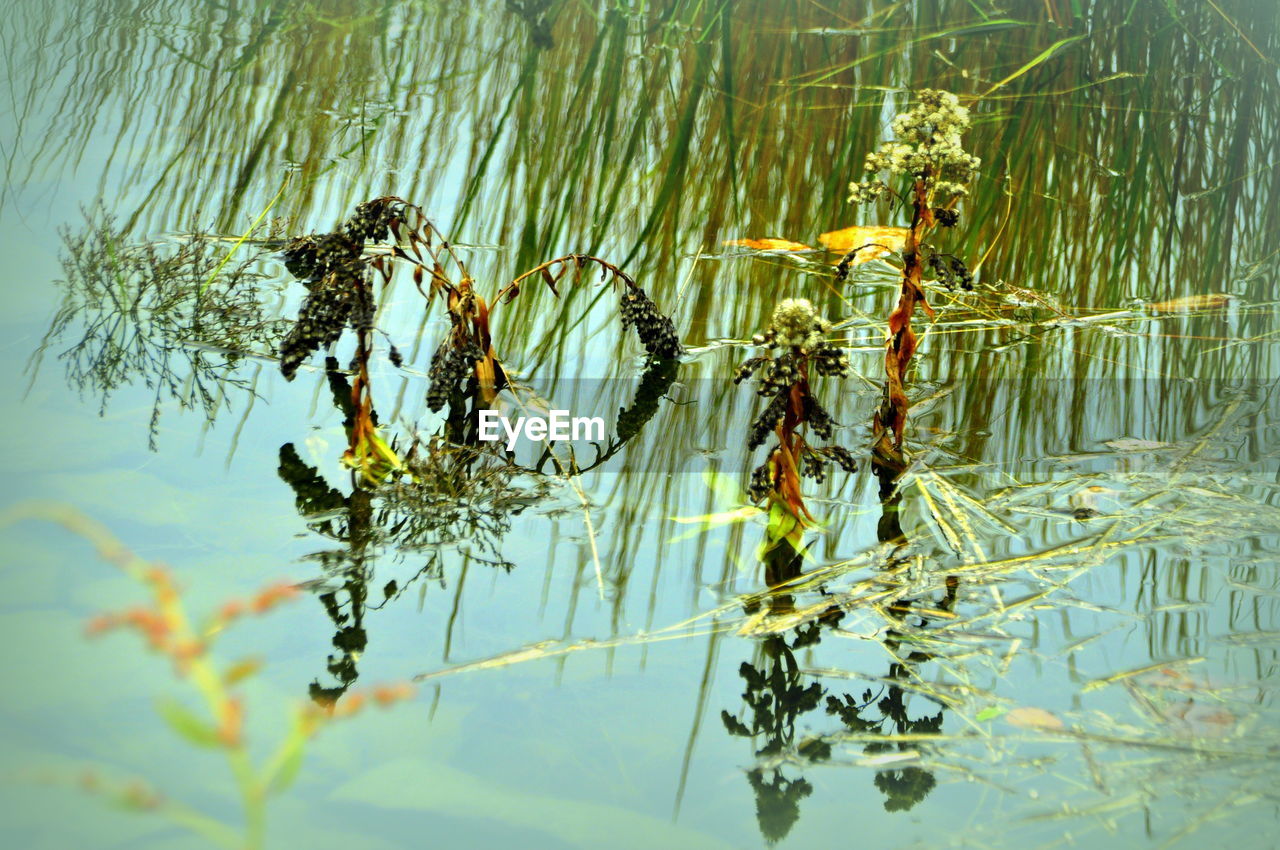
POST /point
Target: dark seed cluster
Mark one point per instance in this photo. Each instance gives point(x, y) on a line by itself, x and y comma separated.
point(333, 267)
point(842, 457)
point(951, 270)
point(449, 365)
point(818, 418)
point(761, 482)
point(655, 330)
point(778, 375)
point(814, 465)
point(313, 258)
point(300, 258)
point(768, 419)
point(828, 360)
point(372, 220)
point(655, 382)
point(748, 368)
point(321, 320)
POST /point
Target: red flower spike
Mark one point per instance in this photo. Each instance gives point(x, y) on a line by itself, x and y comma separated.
point(271, 597)
point(385, 695)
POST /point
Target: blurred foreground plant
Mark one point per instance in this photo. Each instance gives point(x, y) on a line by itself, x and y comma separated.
point(170, 630)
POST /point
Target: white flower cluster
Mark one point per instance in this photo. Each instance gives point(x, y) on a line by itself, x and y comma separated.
point(928, 147)
point(797, 325)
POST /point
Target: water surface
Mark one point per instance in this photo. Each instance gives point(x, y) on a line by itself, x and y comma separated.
point(1089, 527)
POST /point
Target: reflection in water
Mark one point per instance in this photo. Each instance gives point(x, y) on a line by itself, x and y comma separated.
point(776, 696)
point(778, 692)
point(453, 497)
point(564, 122)
point(345, 519)
point(902, 787)
point(174, 317)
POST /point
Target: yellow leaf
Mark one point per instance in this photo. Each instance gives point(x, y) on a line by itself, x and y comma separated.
point(720, 518)
point(873, 241)
point(769, 244)
point(373, 457)
point(1190, 303)
point(242, 670)
point(486, 377)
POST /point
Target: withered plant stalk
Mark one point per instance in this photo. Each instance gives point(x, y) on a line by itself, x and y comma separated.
point(929, 154)
point(339, 269)
point(797, 334)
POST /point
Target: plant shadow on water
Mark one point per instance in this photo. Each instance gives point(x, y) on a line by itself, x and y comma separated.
point(1025, 588)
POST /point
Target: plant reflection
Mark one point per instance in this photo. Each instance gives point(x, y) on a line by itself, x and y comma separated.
point(776, 697)
point(346, 519)
point(639, 116)
point(178, 318)
point(453, 497)
point(905, 786)
point(778, 692)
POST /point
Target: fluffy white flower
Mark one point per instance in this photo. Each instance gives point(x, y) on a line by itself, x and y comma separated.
point(796, 324)
point(928, 145)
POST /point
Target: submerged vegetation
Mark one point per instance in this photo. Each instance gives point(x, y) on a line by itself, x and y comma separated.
point(1018, 570)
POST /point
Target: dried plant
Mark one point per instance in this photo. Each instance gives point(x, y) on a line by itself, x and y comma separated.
point(175, 317)
point(929, 157)
point(340, 271)
point(340, 274)
point(794, 344)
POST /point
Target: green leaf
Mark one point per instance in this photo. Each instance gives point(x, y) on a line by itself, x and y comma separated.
point(990, 713)
point(1042, 57)
point(186, 724)
point(783, 525)
point(287, 761)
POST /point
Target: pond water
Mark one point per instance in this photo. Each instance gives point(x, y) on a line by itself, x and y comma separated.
point(1059, 626)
